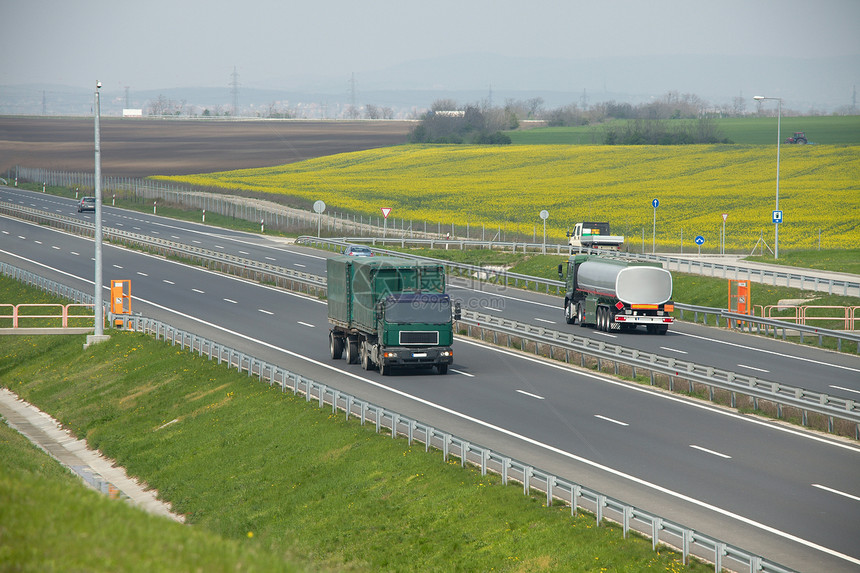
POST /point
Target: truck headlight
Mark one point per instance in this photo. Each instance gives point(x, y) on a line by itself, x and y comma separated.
point(389, 355)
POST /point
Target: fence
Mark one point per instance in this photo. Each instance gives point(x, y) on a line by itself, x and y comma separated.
point(60, 314)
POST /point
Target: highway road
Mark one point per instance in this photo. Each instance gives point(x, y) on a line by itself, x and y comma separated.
point(786, 494)
point(799, 366)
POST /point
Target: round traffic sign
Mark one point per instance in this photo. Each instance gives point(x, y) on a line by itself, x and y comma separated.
point(700, 240)
point(319, 207)
point(544, 214)
point(655, 203)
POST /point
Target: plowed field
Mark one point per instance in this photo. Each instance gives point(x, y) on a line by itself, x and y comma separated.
point(143, 147)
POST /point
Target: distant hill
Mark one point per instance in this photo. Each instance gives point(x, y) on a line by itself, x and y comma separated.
point(818, 85)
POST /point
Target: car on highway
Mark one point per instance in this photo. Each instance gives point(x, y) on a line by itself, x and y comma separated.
point(87, 204)
point(358, 251)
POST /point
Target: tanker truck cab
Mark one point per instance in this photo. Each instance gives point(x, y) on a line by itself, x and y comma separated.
point(617, 295)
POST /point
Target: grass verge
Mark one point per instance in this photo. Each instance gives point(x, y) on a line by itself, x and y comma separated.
point(265, 479)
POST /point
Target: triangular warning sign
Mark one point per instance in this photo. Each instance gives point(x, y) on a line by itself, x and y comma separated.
point(386, 211)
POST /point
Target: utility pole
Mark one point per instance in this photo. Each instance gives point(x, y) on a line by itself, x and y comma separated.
point(234, 89)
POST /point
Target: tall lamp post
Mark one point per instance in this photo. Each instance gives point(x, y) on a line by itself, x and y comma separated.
point(99, 305)
point(776, 219)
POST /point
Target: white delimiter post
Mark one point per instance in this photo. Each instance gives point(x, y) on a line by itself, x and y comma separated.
point(99, 308)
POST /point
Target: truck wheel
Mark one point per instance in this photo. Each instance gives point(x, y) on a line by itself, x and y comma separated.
point(569, 315)
point(335, 344)
point(651, 328)
point(442, 368)
point(662, 329)
point(580, 314)
point(351, 350)
point(365, 358)
point(600, 316)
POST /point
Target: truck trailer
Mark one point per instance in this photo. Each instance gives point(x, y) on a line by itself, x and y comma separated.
point(617, 295)
point(390, 312)
point(594, 236)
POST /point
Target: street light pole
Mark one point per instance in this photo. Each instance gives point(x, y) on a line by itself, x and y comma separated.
point(778, 143)
point(99, 304)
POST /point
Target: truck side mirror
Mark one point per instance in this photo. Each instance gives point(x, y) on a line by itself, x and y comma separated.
point(458, 312)
point(560, 272)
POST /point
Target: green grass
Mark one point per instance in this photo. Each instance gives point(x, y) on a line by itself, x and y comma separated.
point(835, 260)
point(823, 130)
point(263, 477)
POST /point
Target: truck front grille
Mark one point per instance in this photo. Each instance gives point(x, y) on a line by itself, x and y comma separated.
point(419, 337)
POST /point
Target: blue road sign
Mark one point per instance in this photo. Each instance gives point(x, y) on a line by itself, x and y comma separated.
point(777, 216)
point(700, 240)
point(655, 203)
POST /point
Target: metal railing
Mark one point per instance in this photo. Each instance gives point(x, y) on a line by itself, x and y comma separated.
point(55, 313)
point(776, 277)
point(660, 530)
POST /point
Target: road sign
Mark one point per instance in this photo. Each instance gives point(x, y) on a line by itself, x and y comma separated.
point(725, 216)
point(700, 240)
point(777, 216)
point(544, 214)
point(655, 203)
point(386, 211)
point(319, 207)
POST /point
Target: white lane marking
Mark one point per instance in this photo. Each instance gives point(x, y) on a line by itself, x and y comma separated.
point(270, 259)
point(55, 247)
point(526, 439)
point(753, 368)
point(173, 237)
point(197, 290)
point(836, 491)
point(299, 265)
point(22, 237)
point(492, 309)
point(463, 373)
point(117, 266)
point(168, 282)
point(5, 232)
point(265, 311)
point(307, 324)
point(153, 232)
point(763, 351)
point(845, 389)
point(712, 452)
point(231, 301)
point(611, 420)
point(38, 242)
point(142, 274)
point(196, 241)
point(136, 228)
point(76, 254)
point(530, 395)
point(244, 253)
point(601, 333)
point(674, 350)
point(219, 247)
point(544, 320)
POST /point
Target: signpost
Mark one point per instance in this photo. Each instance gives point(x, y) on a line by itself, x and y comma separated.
point(655, 203)
point(385, 212)
point(723, 246)
point(544, 215)
point(319, 207)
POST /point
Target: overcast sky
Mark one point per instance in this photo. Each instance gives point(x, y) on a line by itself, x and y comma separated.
point(157, 44)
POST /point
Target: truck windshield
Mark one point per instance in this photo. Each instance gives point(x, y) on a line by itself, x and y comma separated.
point(428, 309)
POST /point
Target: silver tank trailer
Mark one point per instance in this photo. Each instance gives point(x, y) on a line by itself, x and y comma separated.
point(630, 284)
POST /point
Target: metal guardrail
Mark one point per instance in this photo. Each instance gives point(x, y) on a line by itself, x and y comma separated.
point(713, 378)
point(776, 277)
point(828, 406)
point(661, 531)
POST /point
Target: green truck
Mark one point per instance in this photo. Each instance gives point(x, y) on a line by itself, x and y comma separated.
point(390, 312)
point(617, 295)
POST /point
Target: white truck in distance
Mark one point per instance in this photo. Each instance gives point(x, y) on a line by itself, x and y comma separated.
point(594, 236)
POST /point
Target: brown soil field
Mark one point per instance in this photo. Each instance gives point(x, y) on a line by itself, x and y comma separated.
point(143, 147)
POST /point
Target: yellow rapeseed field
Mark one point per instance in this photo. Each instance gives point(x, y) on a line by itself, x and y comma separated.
point(819, 188)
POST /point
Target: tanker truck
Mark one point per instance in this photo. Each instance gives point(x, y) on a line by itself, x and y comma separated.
point(390, 312)
point(617, 295)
